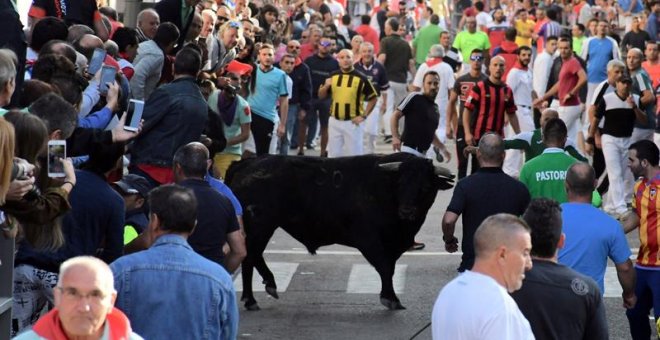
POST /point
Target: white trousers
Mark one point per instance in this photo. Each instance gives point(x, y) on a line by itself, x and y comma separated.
point(514, 158)
point(656, 139)
point(345, 138)
point(395, 95)
point(615, 150)
point(571, 116)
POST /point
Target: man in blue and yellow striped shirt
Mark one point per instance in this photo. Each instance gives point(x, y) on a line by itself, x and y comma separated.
point(348, 89)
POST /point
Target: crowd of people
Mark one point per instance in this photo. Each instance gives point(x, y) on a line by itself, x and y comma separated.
point(551, 105)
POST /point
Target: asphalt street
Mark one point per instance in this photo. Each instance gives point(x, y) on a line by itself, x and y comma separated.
point(334, 294)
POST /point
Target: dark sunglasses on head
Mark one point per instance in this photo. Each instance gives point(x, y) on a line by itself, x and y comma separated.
point(476, 58)
point(234, 24)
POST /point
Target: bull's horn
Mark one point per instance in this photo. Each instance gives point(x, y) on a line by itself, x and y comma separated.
point(442, 171)
point(392, 166)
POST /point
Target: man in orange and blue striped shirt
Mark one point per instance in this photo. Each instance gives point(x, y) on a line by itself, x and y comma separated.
point(643, 162)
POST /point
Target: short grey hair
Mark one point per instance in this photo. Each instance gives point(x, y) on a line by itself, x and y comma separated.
point(145, 11)
point(8, 61)
point(436, 51)
point(615, 63)
point(102, 270)
point(491, 147)
point(496, 231)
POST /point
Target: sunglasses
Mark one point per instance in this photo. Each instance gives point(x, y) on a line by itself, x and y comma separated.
point(234, 24)
point(476, 58)
point(223, 19)
point(294, 47)
point(325, 43)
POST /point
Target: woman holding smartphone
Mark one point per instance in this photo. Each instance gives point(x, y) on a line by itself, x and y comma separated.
point(39, 210)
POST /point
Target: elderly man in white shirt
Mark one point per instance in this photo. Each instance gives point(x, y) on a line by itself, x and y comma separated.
point(434, 63)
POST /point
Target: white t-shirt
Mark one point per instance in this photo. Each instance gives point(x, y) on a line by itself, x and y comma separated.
point(520, 82)
point(482, 19)
point(474, 306)
point(446, 82)
point(541, 72)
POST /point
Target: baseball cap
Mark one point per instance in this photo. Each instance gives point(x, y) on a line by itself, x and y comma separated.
point(134, 184)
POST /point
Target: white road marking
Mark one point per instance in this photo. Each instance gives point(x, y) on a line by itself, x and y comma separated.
point(612, 286)
point(352, 252)
point(283, 272)
point(299, 251)
point(365, 280)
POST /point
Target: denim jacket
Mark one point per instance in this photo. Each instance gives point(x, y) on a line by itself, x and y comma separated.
point(170, 292)
point(175, 115)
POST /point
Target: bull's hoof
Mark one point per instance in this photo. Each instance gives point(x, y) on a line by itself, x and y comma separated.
point(391, 304)
point(252, 306)
point(272, 291)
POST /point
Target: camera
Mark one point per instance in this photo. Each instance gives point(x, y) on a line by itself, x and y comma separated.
point(21, 171)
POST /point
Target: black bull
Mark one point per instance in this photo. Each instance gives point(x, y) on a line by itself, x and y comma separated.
point(374, 203)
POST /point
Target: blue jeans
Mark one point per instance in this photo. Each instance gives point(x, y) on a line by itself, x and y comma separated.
point(291, 119)
point(647, 290)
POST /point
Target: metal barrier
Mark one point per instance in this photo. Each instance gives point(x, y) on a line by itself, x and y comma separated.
point(6, 285)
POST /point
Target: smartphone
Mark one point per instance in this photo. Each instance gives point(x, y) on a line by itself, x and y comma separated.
point(97, 61)
point(134, 114)
point(56, 154)
point(107, 76)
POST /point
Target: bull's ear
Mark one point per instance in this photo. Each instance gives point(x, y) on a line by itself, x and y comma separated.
point(392, 166)
point(442, 171)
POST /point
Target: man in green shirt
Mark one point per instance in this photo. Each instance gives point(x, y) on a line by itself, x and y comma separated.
point(471, 39)
point(544, 176)
point(532, 141)
point(577, 31)
point(427, 36)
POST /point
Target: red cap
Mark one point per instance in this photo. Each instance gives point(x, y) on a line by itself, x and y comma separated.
point(238, 68)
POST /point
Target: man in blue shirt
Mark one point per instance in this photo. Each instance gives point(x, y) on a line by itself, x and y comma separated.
point(592, 236)
point(269, 88)
point(168, 291)
point(217, 222)
point(597, 51)
point(652, 21)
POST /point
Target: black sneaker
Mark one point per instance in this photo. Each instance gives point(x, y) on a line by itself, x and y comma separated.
point(417, 246)
point(309, 146)
point(438, 155)
point(387, 139)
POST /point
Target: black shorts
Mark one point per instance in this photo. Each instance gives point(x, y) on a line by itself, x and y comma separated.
point(322, 106)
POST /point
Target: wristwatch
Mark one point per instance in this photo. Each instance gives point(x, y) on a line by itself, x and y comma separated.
point(591, 140)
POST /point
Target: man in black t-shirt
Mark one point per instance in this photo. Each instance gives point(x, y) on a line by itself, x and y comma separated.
point(421, 120)
point(216, 218)
point(504, 195)
point(558, 302)
point(454, 122)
